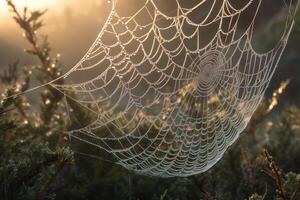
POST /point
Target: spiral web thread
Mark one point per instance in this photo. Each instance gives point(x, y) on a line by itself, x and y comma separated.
point(172, 92)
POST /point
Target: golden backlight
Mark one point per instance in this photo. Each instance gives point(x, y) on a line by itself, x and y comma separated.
point(33, 4)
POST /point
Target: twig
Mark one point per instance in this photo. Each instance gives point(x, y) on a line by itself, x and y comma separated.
point(30, 33)
point(30, 24)
point(275, 174)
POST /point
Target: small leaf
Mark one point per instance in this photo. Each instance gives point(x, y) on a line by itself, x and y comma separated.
point(35, 15)
point(31, 51)
point(37, 25)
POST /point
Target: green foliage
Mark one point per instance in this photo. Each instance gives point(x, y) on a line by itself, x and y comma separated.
point(5, 124)
point(27, 169)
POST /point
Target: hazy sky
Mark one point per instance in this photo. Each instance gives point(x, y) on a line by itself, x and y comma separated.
point(72, 25)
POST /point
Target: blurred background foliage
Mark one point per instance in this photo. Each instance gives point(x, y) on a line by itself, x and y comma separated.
point(36, 161)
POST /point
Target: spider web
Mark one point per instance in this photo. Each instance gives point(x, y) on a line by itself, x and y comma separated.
point(171, 91)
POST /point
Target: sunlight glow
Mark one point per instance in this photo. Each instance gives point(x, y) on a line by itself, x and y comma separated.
point(32, 4)
point(35, 3)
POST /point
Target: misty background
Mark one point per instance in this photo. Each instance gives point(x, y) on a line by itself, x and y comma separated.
point(73, 25)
